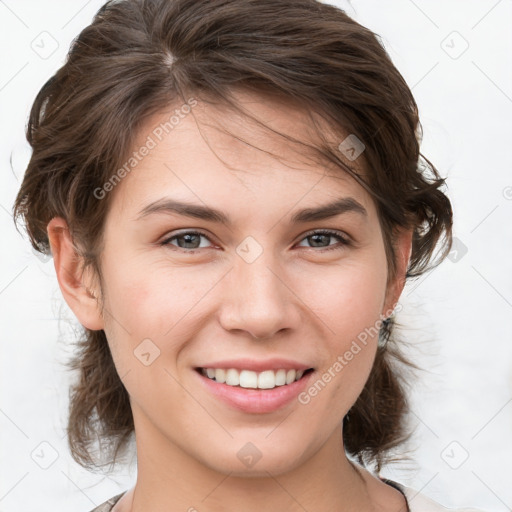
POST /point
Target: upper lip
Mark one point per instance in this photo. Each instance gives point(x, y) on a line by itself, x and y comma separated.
point(257, 366)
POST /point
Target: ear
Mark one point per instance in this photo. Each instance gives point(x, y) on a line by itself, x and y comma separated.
point(403, 247)
point(76, 286)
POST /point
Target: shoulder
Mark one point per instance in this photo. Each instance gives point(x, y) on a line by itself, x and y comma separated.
point(109, 504)
point(420, 503)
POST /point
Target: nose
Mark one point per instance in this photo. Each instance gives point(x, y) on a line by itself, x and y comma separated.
point(258, 299)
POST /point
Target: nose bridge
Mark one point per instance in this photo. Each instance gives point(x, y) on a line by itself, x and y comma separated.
point(257, 299)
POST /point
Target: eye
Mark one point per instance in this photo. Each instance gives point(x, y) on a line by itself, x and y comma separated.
point(186, 240)
point(191, 240)
point(322, 236)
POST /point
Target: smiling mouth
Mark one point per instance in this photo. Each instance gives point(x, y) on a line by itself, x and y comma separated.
point(268, 379)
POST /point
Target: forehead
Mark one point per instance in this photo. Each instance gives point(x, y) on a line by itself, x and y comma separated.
point(211, 154)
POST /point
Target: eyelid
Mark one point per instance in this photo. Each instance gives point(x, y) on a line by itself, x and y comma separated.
point(191, 231)
point(334, 232)
point(344, 240)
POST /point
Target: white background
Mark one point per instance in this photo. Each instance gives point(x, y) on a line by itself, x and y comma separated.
point(457, 317)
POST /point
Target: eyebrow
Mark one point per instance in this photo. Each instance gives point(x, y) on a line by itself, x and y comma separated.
point(197, 211)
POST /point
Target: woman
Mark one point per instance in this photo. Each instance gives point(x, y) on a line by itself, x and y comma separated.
point(233, 197)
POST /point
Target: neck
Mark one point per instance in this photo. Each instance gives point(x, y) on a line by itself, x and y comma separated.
point(169, 479)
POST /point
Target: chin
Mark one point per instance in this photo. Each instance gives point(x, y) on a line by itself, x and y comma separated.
point(251, 462)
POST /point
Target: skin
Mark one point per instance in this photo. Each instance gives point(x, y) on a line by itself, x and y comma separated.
point(296, 300)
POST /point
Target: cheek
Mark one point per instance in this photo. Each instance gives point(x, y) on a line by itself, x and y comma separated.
point(347, 297)
point(159, 304)
point(349, 300)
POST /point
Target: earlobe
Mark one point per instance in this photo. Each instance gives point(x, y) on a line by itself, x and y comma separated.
point(81, 296)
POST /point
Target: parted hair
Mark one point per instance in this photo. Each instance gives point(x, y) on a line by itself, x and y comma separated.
point(138, 57)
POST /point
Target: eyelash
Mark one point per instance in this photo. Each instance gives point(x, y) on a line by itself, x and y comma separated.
point(335, 234)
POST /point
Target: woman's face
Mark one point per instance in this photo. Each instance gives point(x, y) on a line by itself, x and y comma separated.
point(251, 284)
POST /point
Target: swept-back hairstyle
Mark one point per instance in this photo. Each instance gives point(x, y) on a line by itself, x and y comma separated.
point(138, 57)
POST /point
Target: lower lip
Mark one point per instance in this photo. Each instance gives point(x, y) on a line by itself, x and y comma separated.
point(256, 400)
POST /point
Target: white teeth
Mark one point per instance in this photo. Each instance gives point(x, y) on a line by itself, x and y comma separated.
point(232, 377)
point(248, 379)
point(267, 379)
point(280, 377)
point(220, 375)
point(290, 376)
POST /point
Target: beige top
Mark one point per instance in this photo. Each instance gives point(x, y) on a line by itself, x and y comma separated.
point(416, 502)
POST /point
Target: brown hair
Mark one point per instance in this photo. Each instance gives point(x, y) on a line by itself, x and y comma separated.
point(139, 56)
